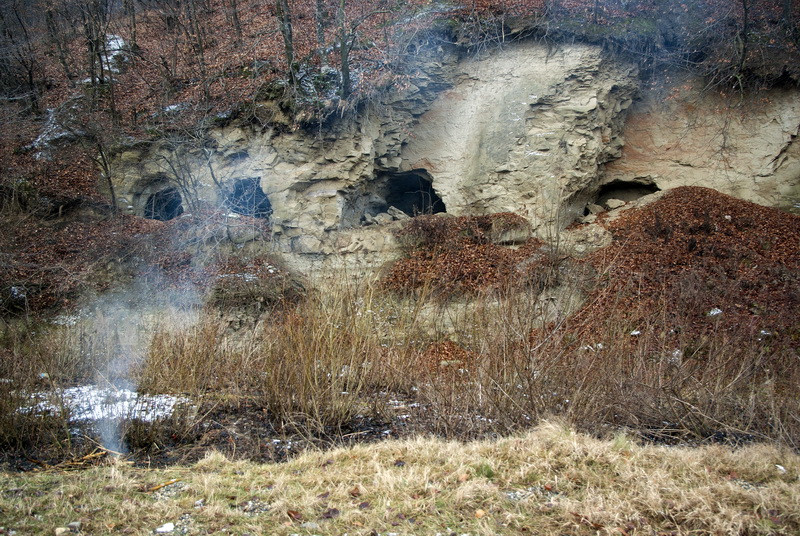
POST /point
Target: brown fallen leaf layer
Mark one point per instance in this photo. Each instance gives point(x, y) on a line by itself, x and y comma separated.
point(703, 261)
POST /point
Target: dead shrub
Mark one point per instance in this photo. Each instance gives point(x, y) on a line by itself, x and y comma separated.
point(451, 256)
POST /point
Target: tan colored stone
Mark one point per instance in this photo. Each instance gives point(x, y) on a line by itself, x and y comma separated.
point(526, 129)
point(612, 204)
point(700, 138)
point(383, 218)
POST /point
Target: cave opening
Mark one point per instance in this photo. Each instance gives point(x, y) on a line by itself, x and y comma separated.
point(413, 193)
point(389, 196)
point(248, 199)
point(625, 191)
point(164, 205)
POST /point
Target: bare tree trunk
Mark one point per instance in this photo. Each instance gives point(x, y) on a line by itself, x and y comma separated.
point(234, 16)
point(21, 52)
point(285, 22)
point(57, 42)
point(130, 10)
point(743, 36)
point(93, 17)
point(106, 172)
point(319, 13)
point(344, 51)
point(197, 36)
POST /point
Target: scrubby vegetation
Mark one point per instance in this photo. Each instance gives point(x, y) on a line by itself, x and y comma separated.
point(683, 332)
point(673, 346)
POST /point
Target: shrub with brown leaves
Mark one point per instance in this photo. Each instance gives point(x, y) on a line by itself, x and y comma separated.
point(453, 255)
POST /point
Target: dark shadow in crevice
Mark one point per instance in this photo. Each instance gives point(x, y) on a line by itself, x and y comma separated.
point(248, 199)
point(413, 193)
point(164, 205)
point(625, 191)
point(410, 192)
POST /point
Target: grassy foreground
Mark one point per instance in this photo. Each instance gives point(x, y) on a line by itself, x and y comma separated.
point(549, 481)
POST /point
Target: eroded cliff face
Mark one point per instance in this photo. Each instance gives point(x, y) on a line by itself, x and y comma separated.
point(549, 133)
point(526, 130)
point(687, 135)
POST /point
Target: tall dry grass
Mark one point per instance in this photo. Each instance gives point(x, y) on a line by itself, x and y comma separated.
point(511, 357)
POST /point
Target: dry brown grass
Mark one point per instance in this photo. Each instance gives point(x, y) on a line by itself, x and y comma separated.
point(550, 481)
point(503, 360)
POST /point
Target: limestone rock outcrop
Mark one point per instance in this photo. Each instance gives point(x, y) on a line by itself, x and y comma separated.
point(552, 133)
point(684, 134)
point(525, 131)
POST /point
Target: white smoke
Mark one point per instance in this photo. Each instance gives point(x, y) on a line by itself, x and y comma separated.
point(116, 331)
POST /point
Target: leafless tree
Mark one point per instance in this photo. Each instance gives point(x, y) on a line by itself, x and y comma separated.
point(347, 30)
point(19, 62)
point(284, 14)
point(232, 12)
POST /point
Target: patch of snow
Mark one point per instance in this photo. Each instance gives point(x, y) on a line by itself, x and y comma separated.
point(115, 43)
point(18, 293)
point(675, 357)
point(93, 403)
point(52, 132)
point(175, 108)
point(166, 528)
point(115, 53)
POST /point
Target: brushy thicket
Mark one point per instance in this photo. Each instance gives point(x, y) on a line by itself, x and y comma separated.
point(464, 255)
point(639, 355)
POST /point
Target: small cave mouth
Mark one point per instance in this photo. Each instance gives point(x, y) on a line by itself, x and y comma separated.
point(164, 205)
point(413, 193)
point(391, 194)
point(624, 191)
point(248, 199)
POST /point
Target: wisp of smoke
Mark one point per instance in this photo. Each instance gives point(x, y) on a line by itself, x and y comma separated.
point(126, 320)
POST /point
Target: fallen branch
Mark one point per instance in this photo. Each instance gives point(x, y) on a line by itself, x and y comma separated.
point(164, 485)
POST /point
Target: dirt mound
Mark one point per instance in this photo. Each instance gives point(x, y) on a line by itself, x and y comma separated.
point(704, 261)
point(455, 255)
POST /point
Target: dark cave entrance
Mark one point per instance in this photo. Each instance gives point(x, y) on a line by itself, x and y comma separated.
point(409, 192)
point(625, 191)
point(164, 205)
point(248, 199)
point(413, 193)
